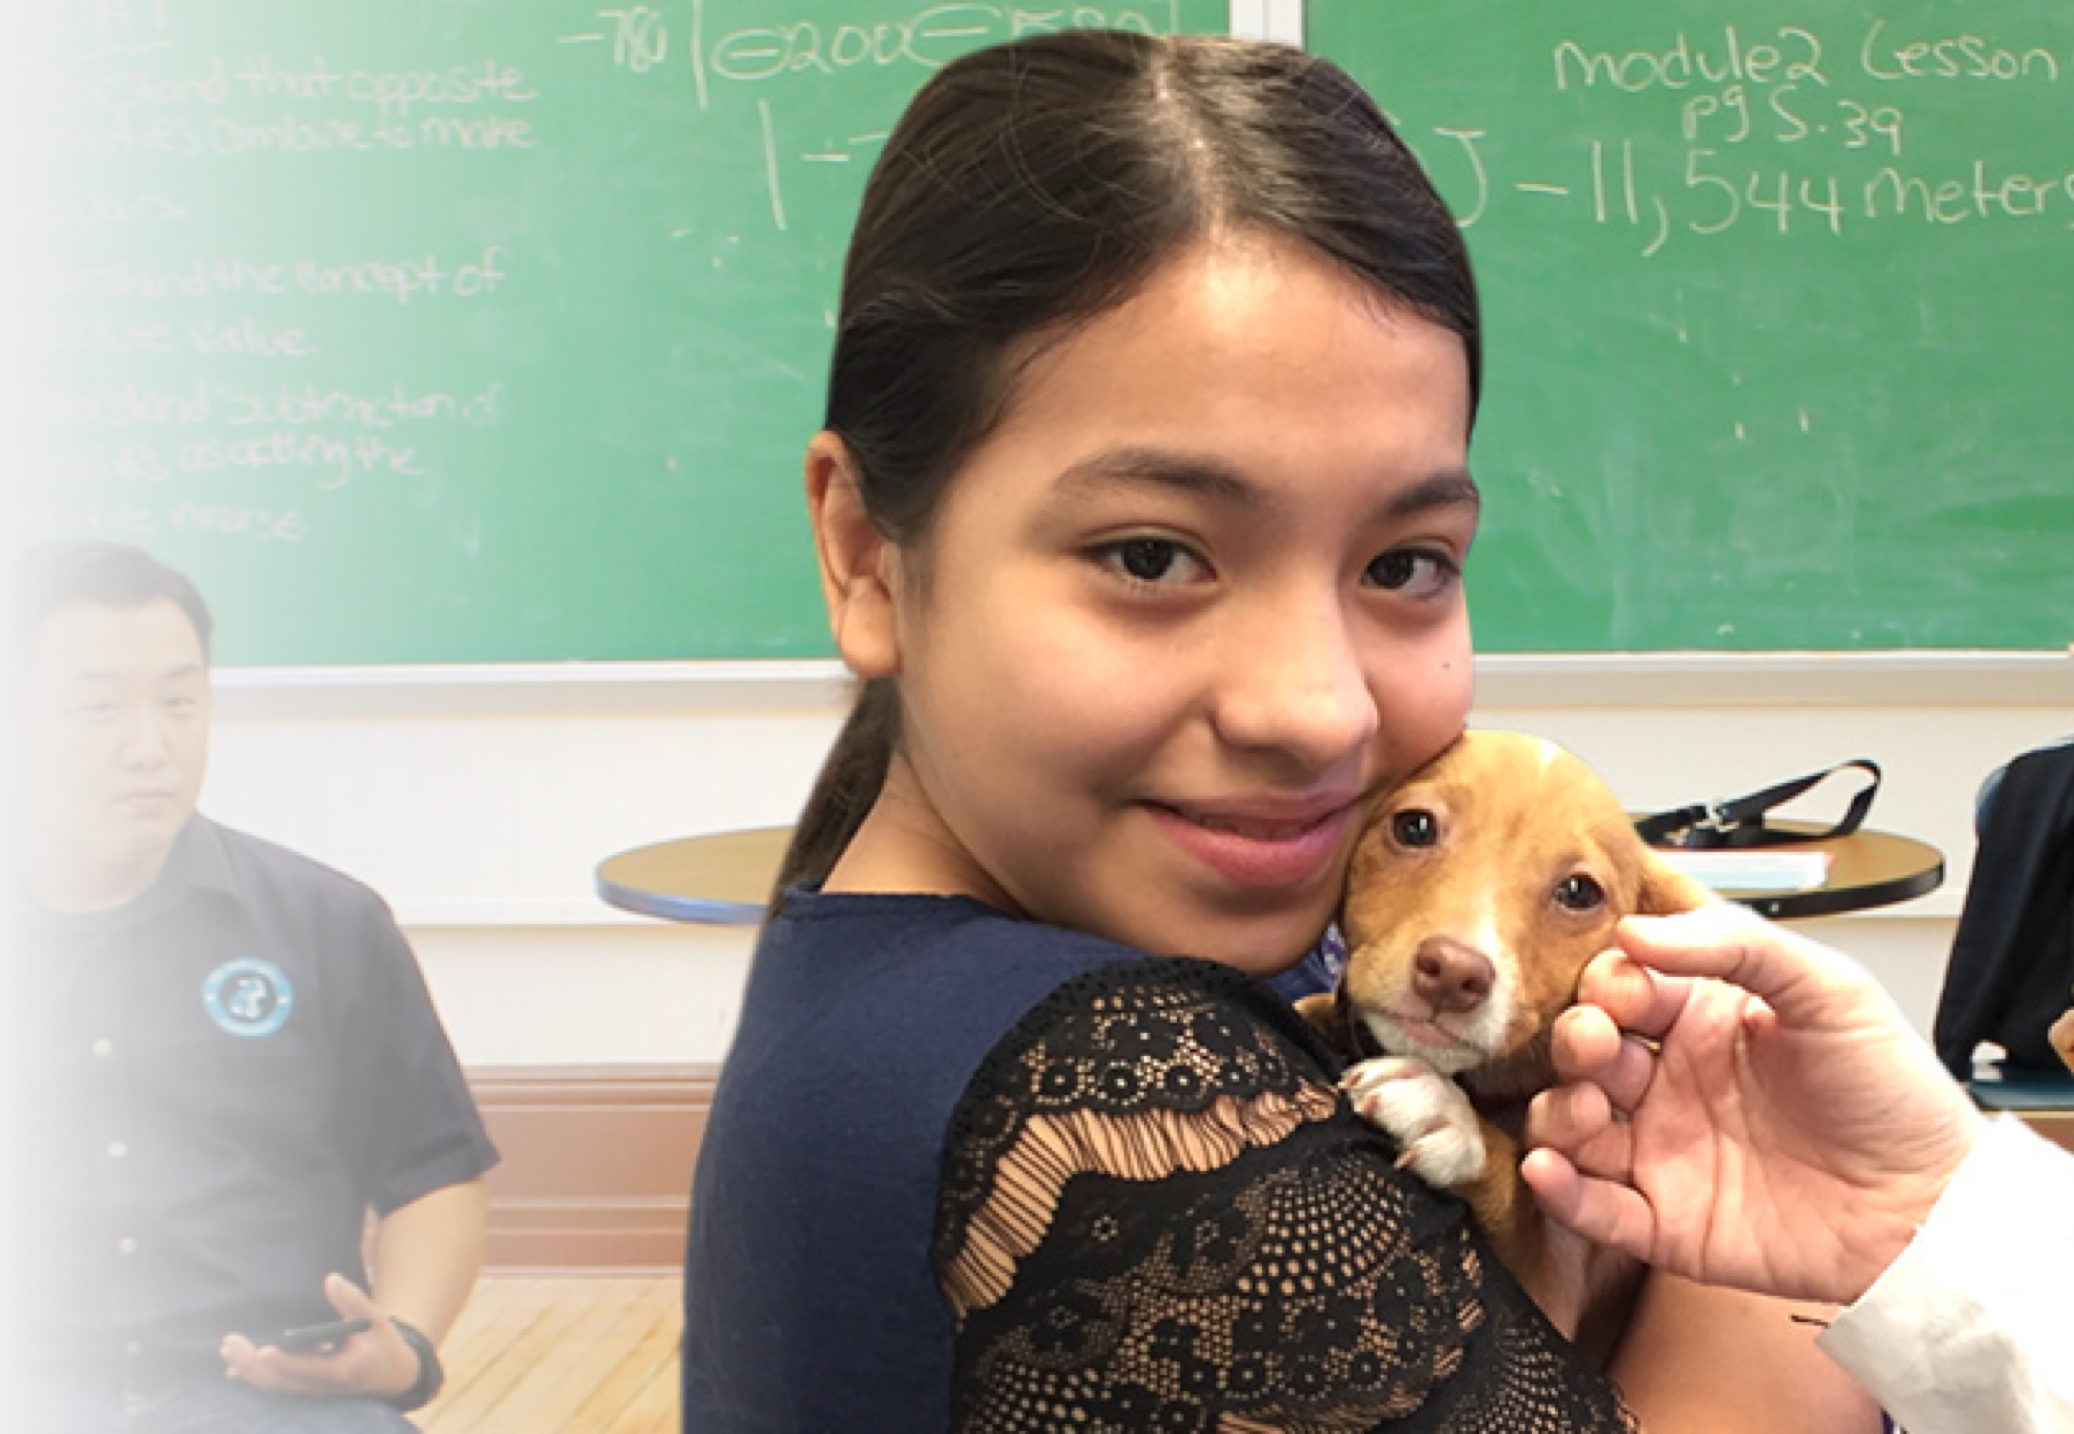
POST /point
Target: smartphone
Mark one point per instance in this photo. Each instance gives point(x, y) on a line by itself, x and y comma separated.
point(317, 1338)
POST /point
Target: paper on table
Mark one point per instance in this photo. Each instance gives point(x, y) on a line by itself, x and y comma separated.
point(1748, 870)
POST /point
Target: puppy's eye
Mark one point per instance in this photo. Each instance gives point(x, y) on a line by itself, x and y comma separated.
point(1413, 827)
point(1579, 893)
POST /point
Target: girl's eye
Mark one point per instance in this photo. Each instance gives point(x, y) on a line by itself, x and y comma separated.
point(1421, 572)
point(1580, 893)
point(1152, 560)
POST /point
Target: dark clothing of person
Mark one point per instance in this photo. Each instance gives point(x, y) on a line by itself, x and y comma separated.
point(970, 1172)
point(232, 1071)
point(2012, 962)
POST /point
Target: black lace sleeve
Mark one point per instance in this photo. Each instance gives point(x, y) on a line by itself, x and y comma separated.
point(1157, 1214)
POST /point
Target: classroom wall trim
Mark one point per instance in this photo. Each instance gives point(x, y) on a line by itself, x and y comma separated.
point(597, 1164)
point(1677, 679)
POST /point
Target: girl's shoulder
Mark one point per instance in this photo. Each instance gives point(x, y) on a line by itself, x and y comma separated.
point(966, 1002)
point(900, 999)
point(1136, 1071)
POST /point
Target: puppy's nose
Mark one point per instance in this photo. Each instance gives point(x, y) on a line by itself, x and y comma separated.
point(1450, 976)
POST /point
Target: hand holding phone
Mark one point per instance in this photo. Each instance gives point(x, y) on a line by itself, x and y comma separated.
point(317, 1338)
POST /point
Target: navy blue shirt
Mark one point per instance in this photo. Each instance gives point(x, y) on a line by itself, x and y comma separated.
point(231, 1072)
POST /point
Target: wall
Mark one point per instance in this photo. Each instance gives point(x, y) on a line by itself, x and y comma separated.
point(479, 800)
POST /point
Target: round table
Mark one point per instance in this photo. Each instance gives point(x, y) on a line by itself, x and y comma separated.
point(723, 879)
point(1867, 869)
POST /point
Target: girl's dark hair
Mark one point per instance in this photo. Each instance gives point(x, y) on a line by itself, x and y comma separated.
point(1037, 184)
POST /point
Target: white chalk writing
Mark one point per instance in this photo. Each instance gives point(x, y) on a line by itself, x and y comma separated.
point(284, 256)
point(1794, 129)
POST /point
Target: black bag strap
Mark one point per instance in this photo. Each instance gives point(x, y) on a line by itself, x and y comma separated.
point(1740, 822)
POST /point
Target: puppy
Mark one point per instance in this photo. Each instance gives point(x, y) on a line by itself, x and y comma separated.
point(1477, 893)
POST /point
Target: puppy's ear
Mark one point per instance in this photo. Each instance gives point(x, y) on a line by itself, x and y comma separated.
point(1667, 891)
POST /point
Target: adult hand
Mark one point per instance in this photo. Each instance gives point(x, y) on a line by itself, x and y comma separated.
point(1742, 1106)
point(375, 1363)
point(2062, 1037)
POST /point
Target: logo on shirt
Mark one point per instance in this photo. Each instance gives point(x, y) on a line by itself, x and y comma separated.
point(249, 997)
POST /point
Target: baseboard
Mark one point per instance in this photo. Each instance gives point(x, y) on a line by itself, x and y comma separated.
point(597, 1162)
point(596, 1168)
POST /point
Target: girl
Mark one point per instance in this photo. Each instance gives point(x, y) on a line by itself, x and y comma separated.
point(1141, 510)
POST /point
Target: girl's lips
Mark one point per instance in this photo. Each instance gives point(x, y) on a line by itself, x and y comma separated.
point(1263, 853)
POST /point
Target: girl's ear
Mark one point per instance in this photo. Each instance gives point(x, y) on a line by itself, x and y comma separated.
point(859, 565)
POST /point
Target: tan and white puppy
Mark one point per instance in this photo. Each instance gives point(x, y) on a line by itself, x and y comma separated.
point(1476, 896)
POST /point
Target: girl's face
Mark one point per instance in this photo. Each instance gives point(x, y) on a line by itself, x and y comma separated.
point(1185, 613)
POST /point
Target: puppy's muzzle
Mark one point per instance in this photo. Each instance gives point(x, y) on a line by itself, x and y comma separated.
point(1452, 977)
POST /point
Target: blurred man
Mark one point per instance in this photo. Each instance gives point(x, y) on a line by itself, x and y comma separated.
point(232, 1067)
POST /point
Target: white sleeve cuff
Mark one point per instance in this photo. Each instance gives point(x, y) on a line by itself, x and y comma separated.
point(1972, 1328)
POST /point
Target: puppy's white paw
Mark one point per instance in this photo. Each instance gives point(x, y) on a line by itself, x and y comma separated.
point(1428, 1114)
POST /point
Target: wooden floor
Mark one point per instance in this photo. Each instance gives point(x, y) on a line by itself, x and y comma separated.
point(562, 1354)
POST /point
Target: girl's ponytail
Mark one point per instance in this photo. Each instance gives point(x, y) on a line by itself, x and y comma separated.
point(846, 788)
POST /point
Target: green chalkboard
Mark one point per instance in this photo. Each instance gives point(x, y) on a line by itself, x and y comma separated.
point(1780, 305)
point(433, 331)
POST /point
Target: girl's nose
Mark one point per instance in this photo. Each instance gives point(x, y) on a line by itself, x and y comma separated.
point(1293, 682)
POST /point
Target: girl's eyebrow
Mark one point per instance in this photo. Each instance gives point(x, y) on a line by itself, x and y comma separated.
point(1118, 469)
point(1453, 488)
